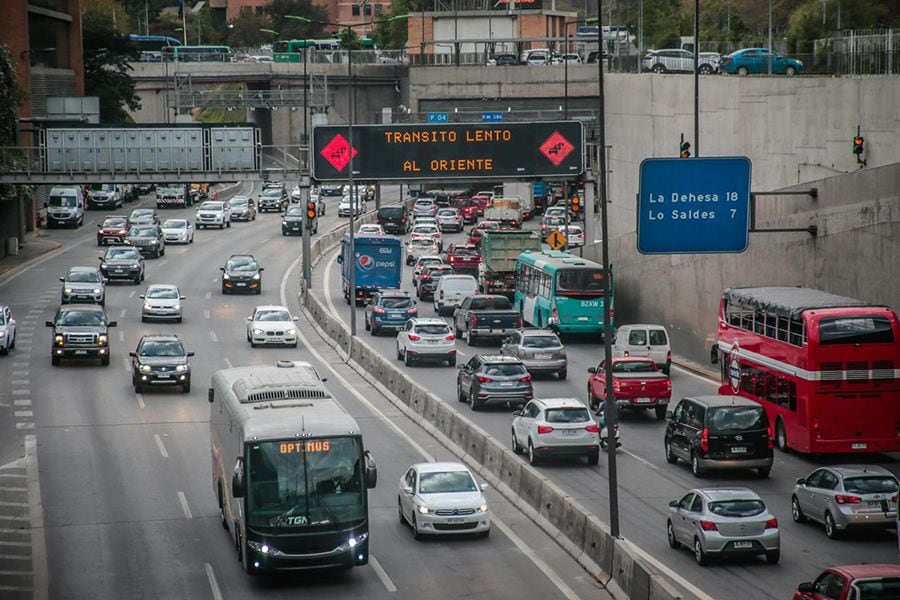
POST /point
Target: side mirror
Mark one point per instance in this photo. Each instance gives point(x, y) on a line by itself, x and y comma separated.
point(48, 323)
point(222, 268)
point(62, 278)
point(460, 367)
point(250, 318)
point(295, 318)
point(674, 503)
point(179, 297)
point(211, 395)
point(517, 413)
point(592, 370)
point(261, 269)
point(407, 490)
point(714, 355)
point(190, 354)
point(132, 354)
point(371, 471)
point(806, 586)
point(100, 258)
point(141, 296)
point(484, 487)
point(801, 481)
point(670, 414)
point(112, 324)
point(237, 479)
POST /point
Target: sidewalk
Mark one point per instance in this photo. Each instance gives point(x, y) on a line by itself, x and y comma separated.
point(30, 248)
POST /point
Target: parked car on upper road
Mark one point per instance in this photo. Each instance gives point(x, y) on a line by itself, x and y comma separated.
point(674, 60)
point(503, 60)
point(755, 61)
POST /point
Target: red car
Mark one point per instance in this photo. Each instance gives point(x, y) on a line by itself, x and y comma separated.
point(852, 582)
point(464, 258)
point(113, 230)
point(467, 209)
point(637, 383)
point(481, 203)
point(474, 237)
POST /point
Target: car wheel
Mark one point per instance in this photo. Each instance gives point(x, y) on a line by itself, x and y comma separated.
point(451, 360)
point(407, 359)
point(415, 527)
point(516, 448)
point(743, 71)
point(593, 458)
point(228, 224)
point(658, 68)
point(696, 469)
point(830, 530)
point(763, 472)
point(473, 401)
point(138, 388)
point(186, 388)
point(137, 280)
point(796, 511)
point(142, 274)
point(660, 412)
point(781, 436)
point(253, 344)
point(705, 69)
point(399, 353)
point(459, 393)
point(375, 331)
point(5, 350)
point(670, 536)
point(773, 557)
point(470, 337)
point(54, 360)
point(699, 553)
point(366, 325)
point(222, 509)
point(400, 512)
point(562, 374)
point(790, 72)
point(533, 458)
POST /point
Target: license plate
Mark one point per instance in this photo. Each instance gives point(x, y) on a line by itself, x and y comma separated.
point(456, 520)
point(743, 545)
point(496, 331)
point(875, 504)
point(583, 318)
point(643, 400)
point(569, 432)
point(81, 352)
point(240, 284)
point(739, 450)
point(118, 270)
point(164, 376)
point(859, 446)
point(506, 383)
point(542, 356)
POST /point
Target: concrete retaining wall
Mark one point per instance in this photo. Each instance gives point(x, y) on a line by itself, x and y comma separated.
point(582, 534)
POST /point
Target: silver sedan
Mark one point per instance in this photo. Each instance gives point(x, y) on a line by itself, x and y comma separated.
point(178, 231)
point(715, 522)
point(162, 301)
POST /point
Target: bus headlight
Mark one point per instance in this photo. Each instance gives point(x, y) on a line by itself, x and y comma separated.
point(355, 541)
point(264, 549)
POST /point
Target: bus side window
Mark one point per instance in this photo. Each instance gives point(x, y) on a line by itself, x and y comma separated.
point(771, 325)
point(792, 396)
point(759, 318)
point(782, 328)
point(796, 335)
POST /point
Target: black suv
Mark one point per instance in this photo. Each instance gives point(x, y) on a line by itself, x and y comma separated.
point(241, 273)
point(719, 432)
point(123, 263)
point(394, 219)
point(294, 220)
point(80, 331)
point(148, 239)
point(160, 360)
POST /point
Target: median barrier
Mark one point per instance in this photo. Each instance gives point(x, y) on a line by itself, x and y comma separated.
point(493, 455)
point(598, 544)
point(511, 470)
point(530, 484)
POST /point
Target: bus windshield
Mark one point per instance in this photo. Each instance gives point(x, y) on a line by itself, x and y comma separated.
point(304, 484)
point(579, 281)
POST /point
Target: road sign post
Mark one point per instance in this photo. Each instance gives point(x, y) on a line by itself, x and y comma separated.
point(694, 206)
point(557, 240)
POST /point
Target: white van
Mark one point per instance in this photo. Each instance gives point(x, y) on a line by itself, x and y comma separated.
point(65, 206)
point(452, 290)
point(650, 341)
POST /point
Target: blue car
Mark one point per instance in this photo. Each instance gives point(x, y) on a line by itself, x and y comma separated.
point(389, 310)
point(756, 61)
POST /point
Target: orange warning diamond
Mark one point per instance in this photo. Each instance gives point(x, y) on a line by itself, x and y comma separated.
point(556, 148)
point(337, 152)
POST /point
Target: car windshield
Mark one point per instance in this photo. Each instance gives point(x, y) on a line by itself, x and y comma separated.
point(633, 366)
point(211, 206)
point(82, 277)
point(162, 293)
point(567, 415)
point(240, 264)
point(396, 301)
point(541, 341)
point(272, 315)
point(504, 369)
point(392, 212)
point(272, 193)
point(424, 262)
point(579, 281)
point(121, 254)
point(432, 329)
point(80, 318)
point(238, 202)
point(175, 224)
point(447, 212)
point(114, 223)
point(142, 231)
point(162, 348)
point(295, 211)
point(424, 203)
point(880, 484)
point(736, 508)
point(102, 187)
point(447, 482)
point(723, 419)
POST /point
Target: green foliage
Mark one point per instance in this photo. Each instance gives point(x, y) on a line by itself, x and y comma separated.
point(106, 56)
point(10, 96)
point(245, 30)
point(347, 39)
point(295, 29)
point(393, 35)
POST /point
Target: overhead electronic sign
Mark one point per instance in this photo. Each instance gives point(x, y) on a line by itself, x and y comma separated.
point(449, 151)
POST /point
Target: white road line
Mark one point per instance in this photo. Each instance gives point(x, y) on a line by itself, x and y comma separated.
point(25, 382)
point(636, 457)
point(184, 505)
point(140, 400)
point(121, 336)
point(14, 504)
point(131, 295)
point(23, 413)
point(205, 314)
point(212, 336)
point(159, 444)
point(122, 312)
point(23, 371)
point(694, 375)
point(16, 475)
point(26, 402)
point(162, 262)
point(21, 392)
point(127, 364)
point(214, 281)
point(382, 574)
point(24, 425)
point(213, 584)
point(208, 295)
point(327, 285)
point(228, 363)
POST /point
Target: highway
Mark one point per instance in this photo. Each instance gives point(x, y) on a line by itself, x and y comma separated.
point(646, 482)
point(125, 486)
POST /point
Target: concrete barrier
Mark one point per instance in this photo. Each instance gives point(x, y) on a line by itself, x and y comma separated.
point(579, 532)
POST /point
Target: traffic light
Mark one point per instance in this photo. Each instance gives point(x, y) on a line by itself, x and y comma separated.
point(858, 145)
point(576, 204)
point(685, 149)
point(310, 212)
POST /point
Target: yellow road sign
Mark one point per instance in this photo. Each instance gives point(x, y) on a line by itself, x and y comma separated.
point(557, 239)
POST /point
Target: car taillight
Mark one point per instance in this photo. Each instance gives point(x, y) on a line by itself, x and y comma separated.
point(669, 385)
point(770, 441)
point(483, 379)
point(708, 526)
point(378, 310)
point(555, 314)
point(452, 259)
point(592, 428)
point(426, 277)
point(403, 219)
point(544, 429)
point(894, 498)
point(616, 385)
point(450, 337)
point(815, 426)
point(474, 321)
point(525, 379)
point(442, 294)
point(772, 523)
point(669, 356)
point(519, 321)
point(412, 310)
point(414, 338)
point(436, 234)
point(847, 499)
point(704, 440)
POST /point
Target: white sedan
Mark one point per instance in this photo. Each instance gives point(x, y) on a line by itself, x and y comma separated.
point(370, 229)
point(271, 325)
point(442, 498)
point(178, 231)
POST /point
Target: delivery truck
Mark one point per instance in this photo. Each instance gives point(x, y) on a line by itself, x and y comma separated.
point(378, 264)
point(499, 251)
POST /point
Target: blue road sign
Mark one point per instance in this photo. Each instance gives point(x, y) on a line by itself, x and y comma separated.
point(437, 117)
point(492, 117)
point(694, 205)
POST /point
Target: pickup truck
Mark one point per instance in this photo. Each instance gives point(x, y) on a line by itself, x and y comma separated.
point(80, 331)
point(637, 384)
point(464, 258)
point(467, 208)
point(485, 316)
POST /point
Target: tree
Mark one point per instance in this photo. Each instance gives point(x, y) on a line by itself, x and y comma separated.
point(10, 97)
point(393, 35)
point(106, 56)
point(244, 30)
point(347, 39)
point(295, 29)
point(121, 17)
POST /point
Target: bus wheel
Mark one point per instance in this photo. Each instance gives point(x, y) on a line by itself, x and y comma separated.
point(781, 436)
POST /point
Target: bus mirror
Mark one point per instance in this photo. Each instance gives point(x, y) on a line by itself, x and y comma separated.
point(211, 395)
point(371, 471)
point(714, 355)
point(237, 479)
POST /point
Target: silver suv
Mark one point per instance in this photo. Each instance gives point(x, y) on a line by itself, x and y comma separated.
point(555, 427)
point(426, 339)
point(83, 285)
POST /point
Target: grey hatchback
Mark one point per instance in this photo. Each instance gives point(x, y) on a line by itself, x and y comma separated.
point(846, 496)
point(499, 379)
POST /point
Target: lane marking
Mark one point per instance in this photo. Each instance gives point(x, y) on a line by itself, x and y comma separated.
point(159, 444)
point(24, 425)
point(131, 295)
point(382, 574)
point(228, 363)
point(184, 505)
point(127, 364)
point(212, 336)
point(140, 400)
point(23, 413)
point(121, 336)
point(638, 458)
point(26, 402)
point(25, 382)
point(213, 584)
point(327, 283)
point(15, 504)
point(122, 312)
point(208, 295)
point(205, 314)
point(21, 392)
point(162, 262)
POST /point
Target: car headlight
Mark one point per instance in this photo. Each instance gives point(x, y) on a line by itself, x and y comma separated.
point(58, 340)
point(96, 290)
point(483, 507)
point(256, 277)
point(102, 340)
point(284, 222)
point(145, 368)
point(135, 265)
point(226, 276)
point(68, 290)
point(152, 242)
point(423, 510)
point(257, 331)
point(180, 368)
point(291, 332)
point(176, 306)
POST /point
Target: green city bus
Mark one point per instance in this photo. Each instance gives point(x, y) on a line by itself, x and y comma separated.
point(197, 54)
point(291, 51)
point(562, 291)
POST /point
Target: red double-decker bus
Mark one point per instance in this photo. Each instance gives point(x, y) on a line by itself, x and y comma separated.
point(825, 367)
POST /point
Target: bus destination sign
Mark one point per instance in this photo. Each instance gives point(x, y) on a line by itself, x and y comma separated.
point(439, 151)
